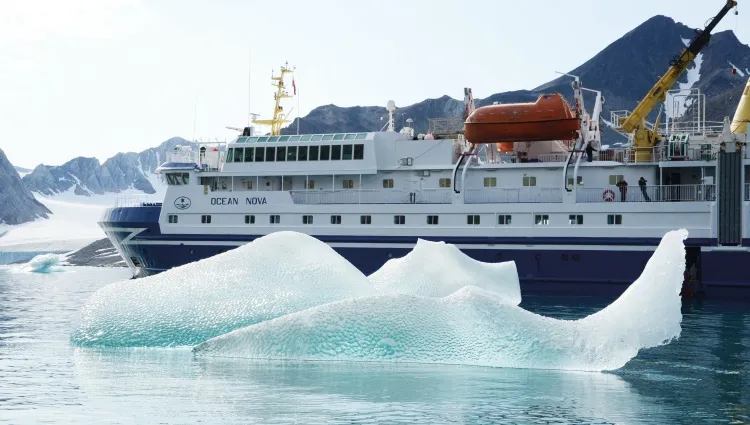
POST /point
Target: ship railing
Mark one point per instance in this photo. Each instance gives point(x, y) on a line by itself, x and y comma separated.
point(653, 193)
point(135, 201)
point(529, 194)
point(371, 196)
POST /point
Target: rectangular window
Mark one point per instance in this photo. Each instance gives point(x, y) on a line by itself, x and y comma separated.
point(575, 219)
point(335, 152)
point(529, 181)
point(472, 220)
point(359, 151)
point(172, 218)
point(249, 219)
point(260, 154)
point(274, 219)
point(291, 153)
point(616, 178)
point(270, 154)
point(206, 219)
point(614, 219)
point(347, 152)
point(335, 219)
point(432, 219)
point(313, 153)
point(579, 180)
point(399, 219)
point(490, 181)
point(541, 219)
point(238, 154)
point(307, 219)
point(387, 183)
point(503, 219)
point(281, 153)
point(311, 184)
point(230, 154)
point(348, 184)
point(445, 182)
point(249, 152)
point(325, 153)
point(302, 153)
point(365, 219)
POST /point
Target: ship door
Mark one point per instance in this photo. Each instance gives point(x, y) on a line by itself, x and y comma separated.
point(415, 184)
point(730, 198)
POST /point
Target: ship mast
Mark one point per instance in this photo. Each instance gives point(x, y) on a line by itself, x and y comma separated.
point(278, 112)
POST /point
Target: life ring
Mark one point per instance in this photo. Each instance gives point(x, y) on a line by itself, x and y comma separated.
point(608, 195)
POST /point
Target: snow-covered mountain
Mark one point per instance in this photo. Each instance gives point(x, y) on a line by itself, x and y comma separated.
point(87, 177)
point(17, 204)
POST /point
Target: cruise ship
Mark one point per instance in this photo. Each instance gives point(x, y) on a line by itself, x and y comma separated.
point(564, 207)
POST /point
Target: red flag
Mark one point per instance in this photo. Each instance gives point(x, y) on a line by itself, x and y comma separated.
point(294, 86)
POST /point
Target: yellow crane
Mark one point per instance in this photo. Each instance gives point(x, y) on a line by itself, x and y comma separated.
point(278, 112)
point(742, 114)
point(644, 138)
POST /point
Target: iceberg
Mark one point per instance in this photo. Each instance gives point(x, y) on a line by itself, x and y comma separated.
point(44, 263)
point(474, 326)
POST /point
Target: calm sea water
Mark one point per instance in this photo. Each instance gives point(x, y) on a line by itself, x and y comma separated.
point(701, 379)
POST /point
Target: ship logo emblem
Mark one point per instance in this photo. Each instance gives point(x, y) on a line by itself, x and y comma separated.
point(182, 203)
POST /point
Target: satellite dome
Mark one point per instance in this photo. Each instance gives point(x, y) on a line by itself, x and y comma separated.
point(390, 106)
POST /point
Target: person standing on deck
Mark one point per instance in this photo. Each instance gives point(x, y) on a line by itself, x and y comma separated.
point(623, 185)
point(642, 183)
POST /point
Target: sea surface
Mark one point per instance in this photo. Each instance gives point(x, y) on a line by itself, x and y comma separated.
point(702, 378)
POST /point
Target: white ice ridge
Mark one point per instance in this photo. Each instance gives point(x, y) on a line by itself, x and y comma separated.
point(45, 263)
point(474, 326)
point(278, 274)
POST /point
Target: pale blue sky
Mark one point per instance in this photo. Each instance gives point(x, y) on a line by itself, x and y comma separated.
point(94, 77)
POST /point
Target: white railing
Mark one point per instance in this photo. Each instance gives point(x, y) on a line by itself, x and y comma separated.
point(635, 193)
point(433, 196)
point(134, 201)
point(371, 196)
point(513, 195)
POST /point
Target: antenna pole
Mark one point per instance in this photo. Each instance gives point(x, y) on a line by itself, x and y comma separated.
point(249, 89)
point(298, 116)
point(195, 106)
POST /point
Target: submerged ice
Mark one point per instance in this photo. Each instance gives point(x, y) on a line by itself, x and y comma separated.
point(290, 296)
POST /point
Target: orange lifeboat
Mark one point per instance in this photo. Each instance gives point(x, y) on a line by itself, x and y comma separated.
point(549, 118)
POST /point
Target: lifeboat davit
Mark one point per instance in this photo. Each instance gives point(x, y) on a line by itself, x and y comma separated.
point(549, 118)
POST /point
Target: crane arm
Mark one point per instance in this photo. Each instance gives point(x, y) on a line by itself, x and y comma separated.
point(636, 121)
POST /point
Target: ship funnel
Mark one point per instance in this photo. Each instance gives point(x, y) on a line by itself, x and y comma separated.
point(742, 114)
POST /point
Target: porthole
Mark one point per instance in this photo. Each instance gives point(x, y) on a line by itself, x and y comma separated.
point(576, 257)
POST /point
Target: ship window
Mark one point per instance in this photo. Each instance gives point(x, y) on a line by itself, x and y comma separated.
point(347, 152)
point(575, 219)
point(249, 219)
point(241, 139)
point(490, 181)
point(579, 180)
point(388, 183)
point(328, 137)
point(432, 219)
point(350, 137)
point(338, 137)
point(302, 153)
point(249, 152)
point(311, 184)
point(178, 178)
point(445, 182)
point(238, 154)
point(616, 178)
point(291, 153)
point(252, 139)
point(313, 153)
point(399, 219)
point(335, 152)
point(348, 184)
point(206, 219)
point(325, 153)
point(335, 219)
point(274, 139)
point(259, 154)
point(359, 151)
point(503, 219)
point(262, 139)
point(541, 219)
point(284, 139)
point(472, 220)
point(307, 219)
point(280, 154)
point(172, 218)
point(304, 138)
point(294, 139)
point(316, 138)
point(274, 219)
point(529, 181)
point(230, 154)
point(614, 219)
point(249, 184)
point(361, 136)
point(365, 219)
point(270, 154)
